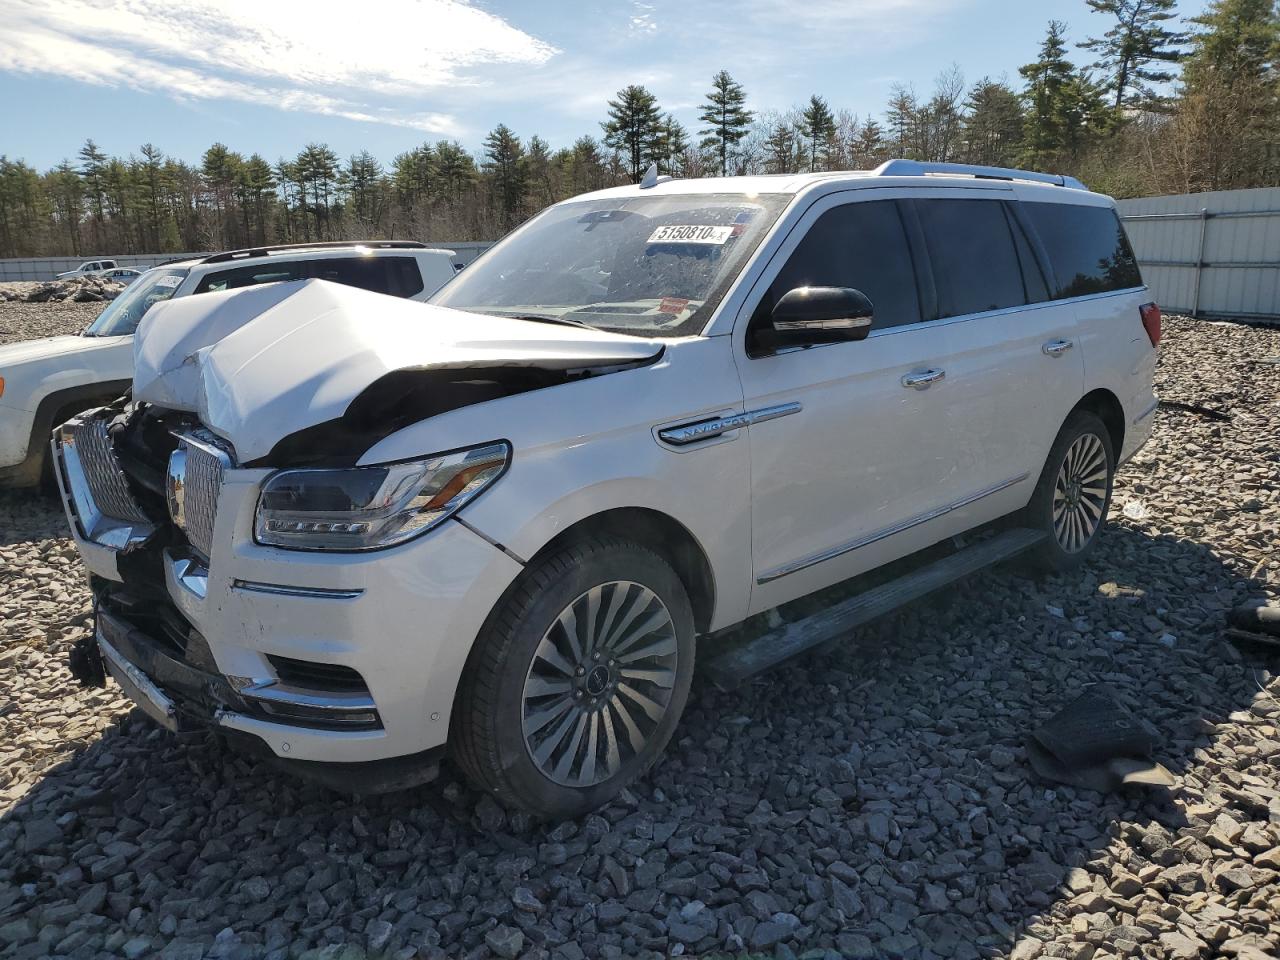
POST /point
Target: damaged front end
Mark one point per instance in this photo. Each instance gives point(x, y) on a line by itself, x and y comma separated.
point(208, 504)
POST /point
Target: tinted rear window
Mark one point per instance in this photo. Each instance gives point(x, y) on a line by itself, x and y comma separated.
point(861, 245)
point(1087, 247)
point(975, 265)
point(249, 276)
point(397, 276)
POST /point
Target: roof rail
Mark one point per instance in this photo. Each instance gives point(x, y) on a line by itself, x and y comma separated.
point(330, 244)
point(917, 168)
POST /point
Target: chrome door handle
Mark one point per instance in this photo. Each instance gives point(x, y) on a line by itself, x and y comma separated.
point(924, 379)
point(1056, 348)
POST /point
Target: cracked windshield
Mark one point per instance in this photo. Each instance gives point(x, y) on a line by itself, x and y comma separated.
point(652, 266)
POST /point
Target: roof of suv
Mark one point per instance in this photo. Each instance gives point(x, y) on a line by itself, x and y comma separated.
point(315, 251)
point(900, 171)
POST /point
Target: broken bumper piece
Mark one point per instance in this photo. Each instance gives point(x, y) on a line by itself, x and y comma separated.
point(182, 697)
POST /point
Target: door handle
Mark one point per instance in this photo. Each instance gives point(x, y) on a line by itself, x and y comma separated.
point(1056, 348)
point(923, 379)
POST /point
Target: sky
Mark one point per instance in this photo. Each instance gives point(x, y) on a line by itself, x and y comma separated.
point(270, 76)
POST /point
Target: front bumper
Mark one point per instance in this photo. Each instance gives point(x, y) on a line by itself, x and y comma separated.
point(402, 619)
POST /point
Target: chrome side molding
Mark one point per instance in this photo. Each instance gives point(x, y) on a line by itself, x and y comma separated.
point(285, 590)
point(687, 433)
point(797, 565)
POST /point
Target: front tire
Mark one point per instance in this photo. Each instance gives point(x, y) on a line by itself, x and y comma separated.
point(1073, 495)
point(577, 680)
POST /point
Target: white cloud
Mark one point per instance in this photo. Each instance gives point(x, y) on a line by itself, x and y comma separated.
point(642, 20)
point(301, 55)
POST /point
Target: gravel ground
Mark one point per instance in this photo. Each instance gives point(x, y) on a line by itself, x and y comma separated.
point(874, 801)
point(25, 321)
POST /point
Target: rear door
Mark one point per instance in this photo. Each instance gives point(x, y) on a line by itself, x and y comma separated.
point(1096, 271)
point(1015, 350)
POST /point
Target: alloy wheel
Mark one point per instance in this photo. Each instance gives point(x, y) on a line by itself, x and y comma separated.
point(1080, 493)
point(599, 683)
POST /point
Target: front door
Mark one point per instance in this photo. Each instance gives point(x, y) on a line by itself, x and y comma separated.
point(857, 452)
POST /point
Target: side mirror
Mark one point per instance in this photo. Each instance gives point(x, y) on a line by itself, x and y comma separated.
point(809, 315)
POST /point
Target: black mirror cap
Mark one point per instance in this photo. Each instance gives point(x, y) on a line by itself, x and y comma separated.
point(808, 315)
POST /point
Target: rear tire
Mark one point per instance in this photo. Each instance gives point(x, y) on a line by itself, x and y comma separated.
point(577, 680)
point(1073, 494)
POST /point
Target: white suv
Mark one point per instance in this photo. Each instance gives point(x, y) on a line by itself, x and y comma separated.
point(43, 382)
point(358, 541)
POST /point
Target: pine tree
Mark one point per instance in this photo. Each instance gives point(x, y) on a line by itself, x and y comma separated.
point(151, 186)
point(903, 117)
point(1227, 121)
point(93, 176)
point(675, 147)
point(363, 181)
point(1052, 90)
point(1133, 51)
point(869, 147)
point(506, 163)
point(634, 128)
point(993, 124)
point(727, 118)
point(258, 186)
point(818, 127)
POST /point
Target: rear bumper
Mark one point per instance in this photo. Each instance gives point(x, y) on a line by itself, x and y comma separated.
point(1138, 430)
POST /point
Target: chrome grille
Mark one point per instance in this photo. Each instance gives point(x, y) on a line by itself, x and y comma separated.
point(102, 471)
point(195, 480)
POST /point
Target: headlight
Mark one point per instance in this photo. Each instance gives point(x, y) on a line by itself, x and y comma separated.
point(364, 508)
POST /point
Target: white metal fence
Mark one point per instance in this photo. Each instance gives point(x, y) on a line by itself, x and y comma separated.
point(46, 268)
point(1210, 254)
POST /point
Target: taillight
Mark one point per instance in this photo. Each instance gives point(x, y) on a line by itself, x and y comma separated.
point(1151, 321)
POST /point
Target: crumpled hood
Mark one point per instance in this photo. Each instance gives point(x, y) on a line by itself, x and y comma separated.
point(265, 362)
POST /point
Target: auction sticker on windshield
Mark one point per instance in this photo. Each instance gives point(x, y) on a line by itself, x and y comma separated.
point(169, 280)
point(691, 233)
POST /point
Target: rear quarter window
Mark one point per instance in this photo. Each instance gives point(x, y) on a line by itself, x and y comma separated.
point(397, 276)
point(1087, 248)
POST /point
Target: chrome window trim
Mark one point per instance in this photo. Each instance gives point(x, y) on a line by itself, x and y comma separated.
point(1003, 311)
point(864, 541)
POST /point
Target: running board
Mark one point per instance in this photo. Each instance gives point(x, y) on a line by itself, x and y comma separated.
point(732, 668)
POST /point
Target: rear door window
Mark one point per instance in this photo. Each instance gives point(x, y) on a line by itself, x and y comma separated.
point(859, 245)
point(249, 276)
point(1087, 247)
point(971, 249)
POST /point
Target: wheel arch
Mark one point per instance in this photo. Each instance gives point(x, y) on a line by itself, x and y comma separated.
point(55, 408)
point(1106, 406)
point(661, 533)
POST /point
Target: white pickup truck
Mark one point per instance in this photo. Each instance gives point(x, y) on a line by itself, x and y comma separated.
point(90, 268)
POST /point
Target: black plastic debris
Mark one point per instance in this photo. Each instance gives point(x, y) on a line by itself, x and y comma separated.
point(1096, 743)
point(1197, 408)
point(85, 663)
point(1255, 623)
